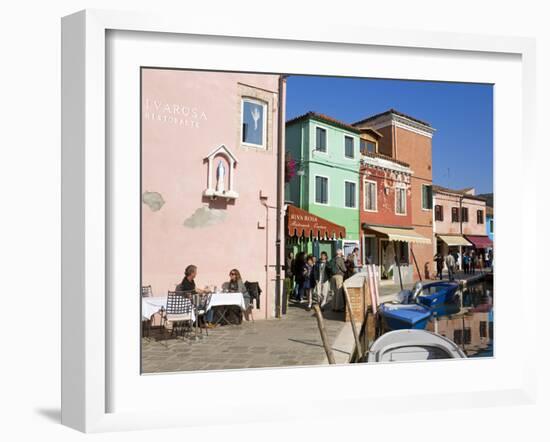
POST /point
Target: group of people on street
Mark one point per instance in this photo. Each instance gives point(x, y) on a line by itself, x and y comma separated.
point(311, 279)
point(470, 262)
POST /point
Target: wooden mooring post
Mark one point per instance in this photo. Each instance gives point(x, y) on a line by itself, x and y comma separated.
point(324, 337)
point(352, 320)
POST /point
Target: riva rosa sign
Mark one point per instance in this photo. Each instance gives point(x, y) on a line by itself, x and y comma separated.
point(174, 113)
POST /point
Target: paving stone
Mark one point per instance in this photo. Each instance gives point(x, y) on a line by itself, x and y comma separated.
point(293, 341)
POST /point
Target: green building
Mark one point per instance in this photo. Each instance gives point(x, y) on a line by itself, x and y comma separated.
point(326, 183)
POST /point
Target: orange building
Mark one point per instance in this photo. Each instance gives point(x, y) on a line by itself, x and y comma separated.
point(409, 140)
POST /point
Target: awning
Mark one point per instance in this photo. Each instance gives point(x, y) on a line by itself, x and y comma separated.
point(303, 223)
point(453, 240)
point(480, 242)
point(397, 234)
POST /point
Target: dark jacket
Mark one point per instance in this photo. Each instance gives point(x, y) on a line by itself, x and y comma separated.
point(309, 281)
point(299, 272)
point(254, 290)
point(350, 268)
point(338, 266)
point(320, 269)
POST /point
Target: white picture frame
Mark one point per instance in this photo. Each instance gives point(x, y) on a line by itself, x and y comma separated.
point(87, 356)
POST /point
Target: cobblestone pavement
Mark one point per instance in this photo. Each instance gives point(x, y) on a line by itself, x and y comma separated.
point(292, 341)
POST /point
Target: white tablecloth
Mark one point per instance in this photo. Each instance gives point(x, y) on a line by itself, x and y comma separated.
point(152, 304)
point(217, 299)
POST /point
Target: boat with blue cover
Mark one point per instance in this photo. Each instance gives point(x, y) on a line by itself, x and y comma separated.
point(438, 293)
point(414, 308)
point(404, 316)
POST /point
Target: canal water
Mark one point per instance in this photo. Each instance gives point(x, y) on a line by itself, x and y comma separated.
point(469, 320)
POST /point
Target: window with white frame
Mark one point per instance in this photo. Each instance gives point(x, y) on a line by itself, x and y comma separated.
point(370, 194)
point(427, 200)
point(350, 194)
point(254, 123)
point(400, 201)
point(349, 147)
point(320, 139)
point(321, 190)
point(454, 215)
point(367, 146)
point(480, 217)
point(438, 215)
point(464, 215)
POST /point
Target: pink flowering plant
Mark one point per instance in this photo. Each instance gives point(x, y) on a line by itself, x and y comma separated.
point(290, 168)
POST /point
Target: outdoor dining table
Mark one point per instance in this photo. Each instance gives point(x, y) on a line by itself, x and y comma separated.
point(154, 304)
point(224, 301)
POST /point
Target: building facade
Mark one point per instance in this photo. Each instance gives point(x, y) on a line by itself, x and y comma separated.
point(490, 222)
point(210, 186)
point(459, 220)
point(409, 140)
point(386, 204)
point(326, 184)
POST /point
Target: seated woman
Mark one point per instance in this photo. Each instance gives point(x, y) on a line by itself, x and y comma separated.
point(236, 285)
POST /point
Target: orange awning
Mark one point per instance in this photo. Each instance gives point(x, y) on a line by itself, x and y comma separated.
point(303, 223)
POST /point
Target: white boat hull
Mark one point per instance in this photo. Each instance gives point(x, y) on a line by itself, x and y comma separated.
point(413, 345)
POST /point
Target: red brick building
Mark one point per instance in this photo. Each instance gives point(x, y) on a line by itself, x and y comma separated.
point(404, 145)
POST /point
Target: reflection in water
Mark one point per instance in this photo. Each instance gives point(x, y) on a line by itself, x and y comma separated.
point(469, 321)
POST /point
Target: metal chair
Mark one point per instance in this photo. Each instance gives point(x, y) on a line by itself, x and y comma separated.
point(201, 303)
point(178, 313)
point(146, 291)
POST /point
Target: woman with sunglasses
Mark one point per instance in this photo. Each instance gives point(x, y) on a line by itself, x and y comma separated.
point(236, 285)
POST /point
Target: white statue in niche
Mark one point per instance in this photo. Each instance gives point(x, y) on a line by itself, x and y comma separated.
point(255, 116)
point(220, 176)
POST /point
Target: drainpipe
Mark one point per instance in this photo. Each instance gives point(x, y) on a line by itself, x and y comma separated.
point(267, 207)
point(280, 190)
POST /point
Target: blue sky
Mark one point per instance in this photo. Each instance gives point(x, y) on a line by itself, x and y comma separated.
point(462, 115)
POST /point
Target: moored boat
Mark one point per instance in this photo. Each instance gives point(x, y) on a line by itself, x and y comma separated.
point(413, 345)
point(414, 308)
point(437, 293)
point(404, 316)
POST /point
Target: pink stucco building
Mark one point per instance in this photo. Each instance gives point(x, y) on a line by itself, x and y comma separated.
point(212, 178)
point(459, 220)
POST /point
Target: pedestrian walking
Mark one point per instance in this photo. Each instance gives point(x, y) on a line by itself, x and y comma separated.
point(298, 270)
point(438, 258)
point(309, 281)
point(289, 274)
point(355, 260)
point(450, 263)
point(350, 266)
point(455, 256)
point(322, 275)
point(338, 270)
point(466, 262)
